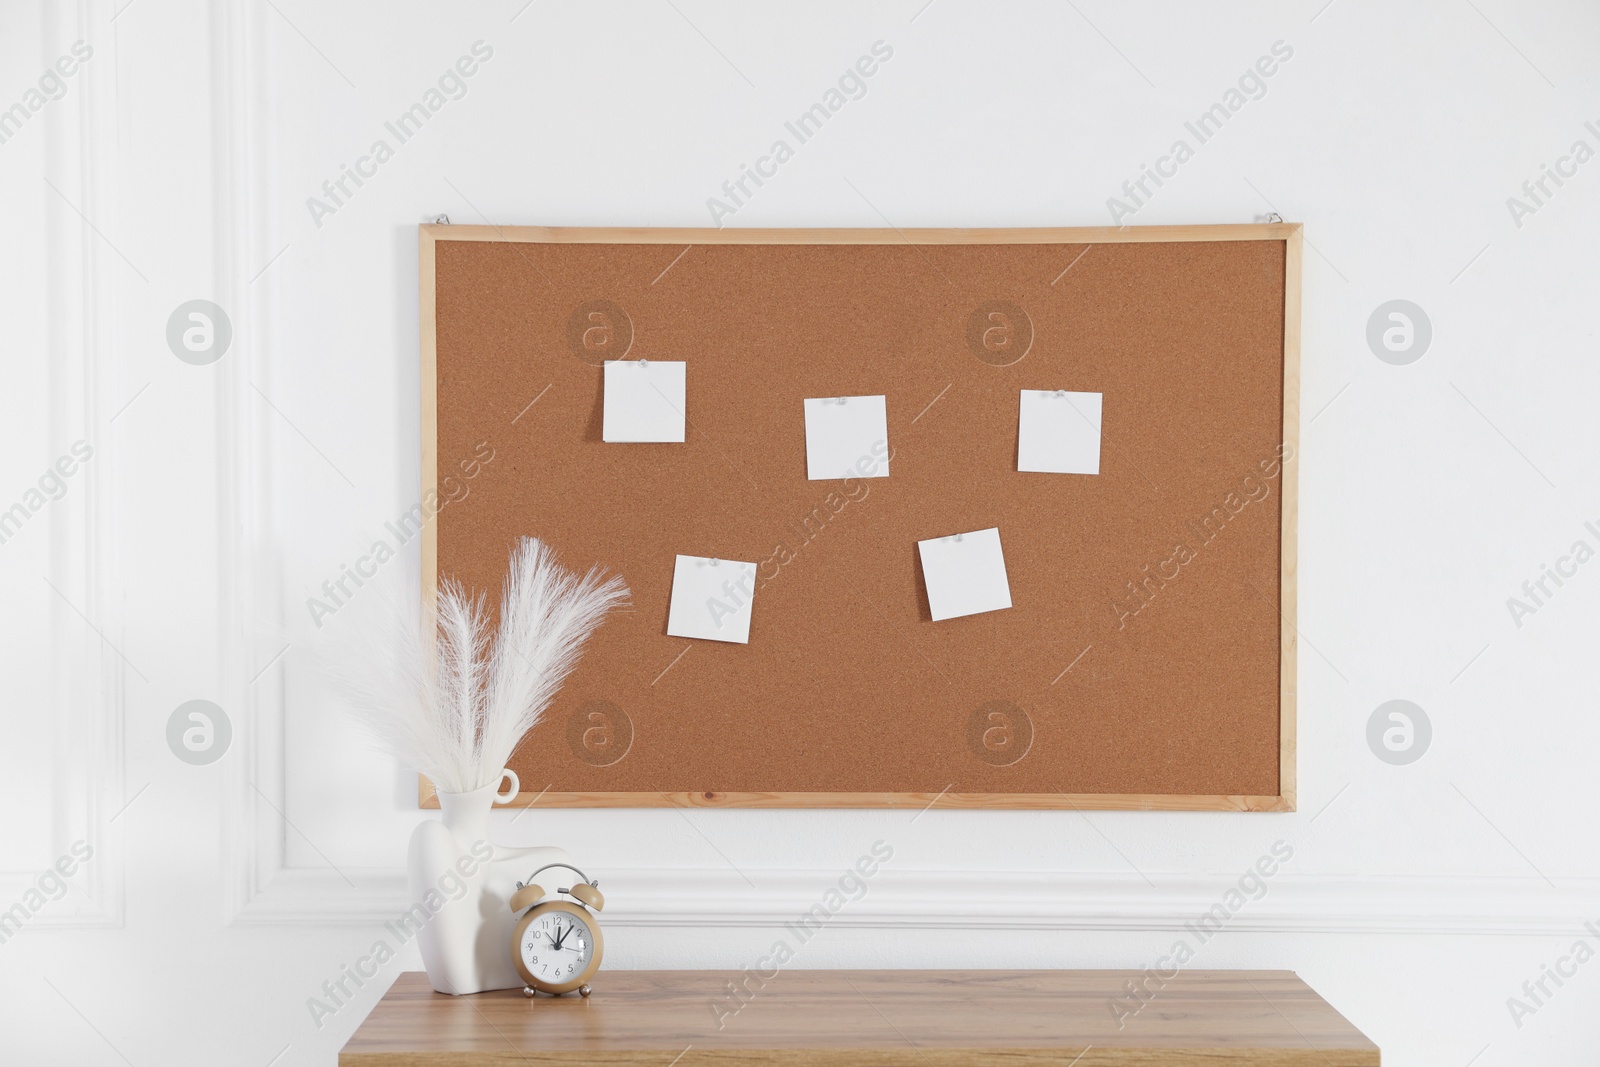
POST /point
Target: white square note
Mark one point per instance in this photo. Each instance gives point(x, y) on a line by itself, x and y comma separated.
point(644, 400)
point(711, 599)
point(965, 574)
point(847, 437)
point(1058, 432)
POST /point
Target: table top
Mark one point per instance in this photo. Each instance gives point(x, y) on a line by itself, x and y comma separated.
point(834, 1018)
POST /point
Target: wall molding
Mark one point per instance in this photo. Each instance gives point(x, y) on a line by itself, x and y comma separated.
point(88, 678)
point(261, 889)
point(253, 828)
point(699, 899)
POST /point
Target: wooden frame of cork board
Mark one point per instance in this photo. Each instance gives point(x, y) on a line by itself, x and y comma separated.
point(1148, 661)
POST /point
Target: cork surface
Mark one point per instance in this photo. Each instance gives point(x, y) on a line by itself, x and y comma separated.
point(1142, 653)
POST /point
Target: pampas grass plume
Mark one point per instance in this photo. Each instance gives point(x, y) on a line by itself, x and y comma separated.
point(458, 718)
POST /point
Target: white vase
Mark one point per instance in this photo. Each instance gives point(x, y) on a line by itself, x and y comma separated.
point(461, 885)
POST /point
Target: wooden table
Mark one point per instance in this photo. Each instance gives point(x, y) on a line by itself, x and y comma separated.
point(840, 1018)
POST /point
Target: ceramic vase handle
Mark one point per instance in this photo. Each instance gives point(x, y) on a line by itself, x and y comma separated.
point(516, 787)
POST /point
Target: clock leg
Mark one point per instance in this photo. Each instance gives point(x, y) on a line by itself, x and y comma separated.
point(584, 990)
point(528, 992)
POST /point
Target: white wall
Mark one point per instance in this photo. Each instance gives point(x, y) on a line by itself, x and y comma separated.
point(176, 563)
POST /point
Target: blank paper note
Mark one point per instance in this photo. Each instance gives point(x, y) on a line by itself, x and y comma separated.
point(644, 400)
point(847, 437)
point(711, 599)
point(965, 574)
point(1058, 432)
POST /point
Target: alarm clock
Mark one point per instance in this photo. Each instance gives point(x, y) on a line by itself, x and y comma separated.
point(556, 946)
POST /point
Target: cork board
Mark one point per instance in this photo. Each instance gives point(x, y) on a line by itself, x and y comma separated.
point(1148, 659)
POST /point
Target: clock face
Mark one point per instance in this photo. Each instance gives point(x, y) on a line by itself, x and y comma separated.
point(556, 947)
